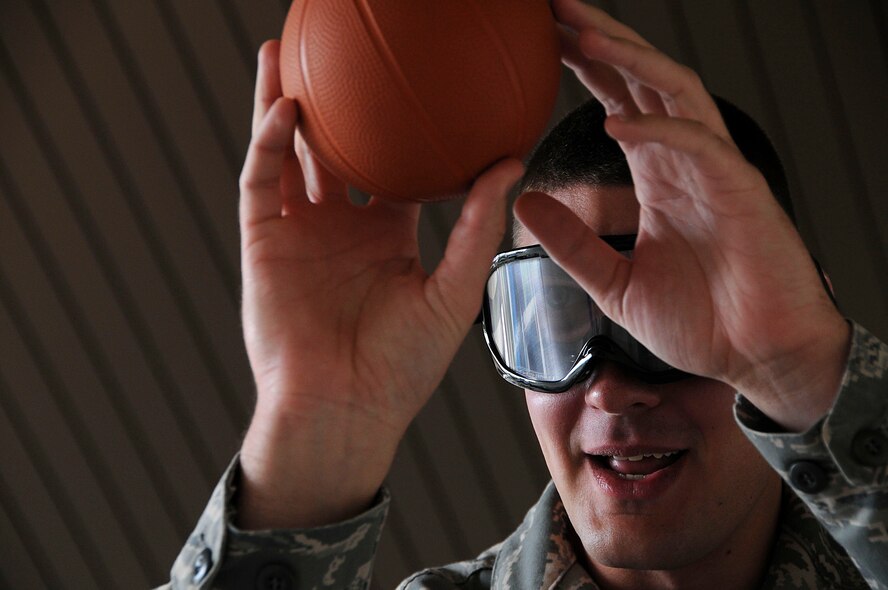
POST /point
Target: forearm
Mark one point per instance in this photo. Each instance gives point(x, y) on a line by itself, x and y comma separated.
point(839, 466)
point(219, 554)
point(310, 468)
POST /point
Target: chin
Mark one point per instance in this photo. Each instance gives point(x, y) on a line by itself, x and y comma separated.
point(641, 546)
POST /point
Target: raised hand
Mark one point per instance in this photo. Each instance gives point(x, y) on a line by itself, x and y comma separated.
point(347, 335)
point(720, 284)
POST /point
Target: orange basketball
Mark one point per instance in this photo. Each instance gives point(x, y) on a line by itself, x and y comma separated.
point(412, 99)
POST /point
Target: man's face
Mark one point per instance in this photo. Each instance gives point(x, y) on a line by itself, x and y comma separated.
point(712, 496)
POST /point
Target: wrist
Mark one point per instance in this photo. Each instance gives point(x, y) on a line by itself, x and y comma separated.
point(796, 390)
point(302, 469)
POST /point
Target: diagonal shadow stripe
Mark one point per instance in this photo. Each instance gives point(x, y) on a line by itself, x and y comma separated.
point(89, 449)
point(188, 311)
point(122, 408)
point(101, 252)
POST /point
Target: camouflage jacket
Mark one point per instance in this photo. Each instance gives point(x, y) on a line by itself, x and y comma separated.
point(835, 477)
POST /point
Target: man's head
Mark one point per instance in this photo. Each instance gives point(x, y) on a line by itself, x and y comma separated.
point(653, 476)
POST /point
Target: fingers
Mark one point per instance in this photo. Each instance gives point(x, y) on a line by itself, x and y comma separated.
point(320, 184)
point(314, 179)
point(260, 180)
point(268, 81)
point(625, 73)
point(710, 153)
point(579, 16)
point(597, 267)
point(459, 278)
point(660, 84)
point(605, 83)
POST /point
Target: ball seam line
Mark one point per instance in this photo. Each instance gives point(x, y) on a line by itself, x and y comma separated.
point(310, 105)
point(509, 66)
point(424, 119)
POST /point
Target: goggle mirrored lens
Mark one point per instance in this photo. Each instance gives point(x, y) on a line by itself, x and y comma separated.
point(541, 323)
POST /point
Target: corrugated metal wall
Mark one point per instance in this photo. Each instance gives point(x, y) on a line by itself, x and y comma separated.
point(124, 386)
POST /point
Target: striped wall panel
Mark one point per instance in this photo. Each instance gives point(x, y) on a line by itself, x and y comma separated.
point(124, 387)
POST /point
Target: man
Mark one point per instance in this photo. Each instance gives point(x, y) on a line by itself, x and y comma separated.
point(654, 484)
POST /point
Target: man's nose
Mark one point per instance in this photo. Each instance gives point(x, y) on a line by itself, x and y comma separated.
point(612, 389)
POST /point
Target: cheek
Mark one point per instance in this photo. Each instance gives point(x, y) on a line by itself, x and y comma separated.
point(728, 454)
point(710, 405)
point(554, 418)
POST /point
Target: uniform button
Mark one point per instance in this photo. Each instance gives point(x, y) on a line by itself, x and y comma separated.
point(202, 564)
point(275, 576)
point(870, 448)
point(807, 477)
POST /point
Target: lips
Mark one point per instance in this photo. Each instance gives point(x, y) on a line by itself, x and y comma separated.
point(635, 464)
point(641, 464)
point(637, 474)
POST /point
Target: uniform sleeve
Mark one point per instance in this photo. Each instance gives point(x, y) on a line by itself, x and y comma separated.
point(839, 467)
point(220, 556)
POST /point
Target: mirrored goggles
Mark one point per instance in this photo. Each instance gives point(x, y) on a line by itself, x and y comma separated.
point(545, 332)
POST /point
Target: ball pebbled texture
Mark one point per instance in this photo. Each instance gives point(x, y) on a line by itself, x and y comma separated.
point(412, 99)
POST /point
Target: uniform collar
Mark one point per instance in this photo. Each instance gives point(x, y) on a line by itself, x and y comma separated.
point(540, 554)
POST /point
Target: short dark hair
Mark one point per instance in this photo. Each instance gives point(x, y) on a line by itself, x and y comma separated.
point(577, 151)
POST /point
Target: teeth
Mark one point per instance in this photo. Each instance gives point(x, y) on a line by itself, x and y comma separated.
point(630, 476)
point(645, 456)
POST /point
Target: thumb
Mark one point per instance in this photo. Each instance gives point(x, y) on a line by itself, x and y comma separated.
point(599, 269)
point(459, 279)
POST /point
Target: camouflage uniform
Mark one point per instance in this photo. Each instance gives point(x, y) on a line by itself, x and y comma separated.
point(835, 478)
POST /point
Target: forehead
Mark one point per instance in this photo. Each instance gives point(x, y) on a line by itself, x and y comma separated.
point(608, 210)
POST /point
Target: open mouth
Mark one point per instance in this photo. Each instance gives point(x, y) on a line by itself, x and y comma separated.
point(637, 467)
